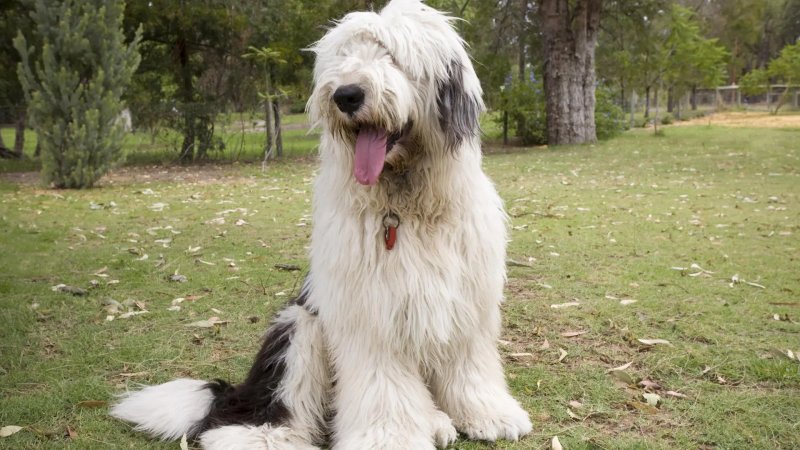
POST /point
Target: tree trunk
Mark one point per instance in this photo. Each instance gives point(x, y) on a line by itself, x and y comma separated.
point(187, 96)
point(269, 120)
point(19, 136)
point(693, 98)
point(5, 152)
point(670, 100)
point(276, 107)
point(569, 40)
point(647, 102)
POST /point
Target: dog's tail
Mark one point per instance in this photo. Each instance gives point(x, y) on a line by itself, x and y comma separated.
point(281, 404)
point(167, 411)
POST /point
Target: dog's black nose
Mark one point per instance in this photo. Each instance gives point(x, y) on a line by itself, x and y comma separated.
point(349, 98)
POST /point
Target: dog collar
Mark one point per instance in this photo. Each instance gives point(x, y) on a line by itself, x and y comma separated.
point(390, 224)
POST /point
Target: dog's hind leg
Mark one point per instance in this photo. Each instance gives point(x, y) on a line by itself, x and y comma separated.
point(280, 406)
point(283, 402)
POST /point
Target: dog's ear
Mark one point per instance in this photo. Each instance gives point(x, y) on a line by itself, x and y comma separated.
point(459, 110)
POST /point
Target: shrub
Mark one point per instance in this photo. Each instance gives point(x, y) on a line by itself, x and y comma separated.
point(609, 118)
point(525, 103)
point(73, 84)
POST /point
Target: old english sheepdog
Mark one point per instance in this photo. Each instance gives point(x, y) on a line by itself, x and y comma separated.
point(391, 343)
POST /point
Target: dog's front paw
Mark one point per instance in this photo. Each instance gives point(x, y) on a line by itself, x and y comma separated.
point(444, 433)
point(506, 422)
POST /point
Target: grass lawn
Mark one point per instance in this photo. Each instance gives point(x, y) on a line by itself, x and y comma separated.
point(692, 238)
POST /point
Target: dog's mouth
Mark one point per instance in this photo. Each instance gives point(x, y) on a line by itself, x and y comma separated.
point(373, 143)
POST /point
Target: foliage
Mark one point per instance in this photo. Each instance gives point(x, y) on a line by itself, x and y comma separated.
point(755, 82)
point(525, 104)
point(73, 83)
point(786, 67)
point(690, 59)
point(13, 17)
point(783, 69)
point(190, 67)
point(609, 118)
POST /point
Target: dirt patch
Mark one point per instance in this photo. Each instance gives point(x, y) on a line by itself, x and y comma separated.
point(206, 173)
point(746, 119)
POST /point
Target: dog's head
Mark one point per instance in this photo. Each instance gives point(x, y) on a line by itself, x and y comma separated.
point(394, 85)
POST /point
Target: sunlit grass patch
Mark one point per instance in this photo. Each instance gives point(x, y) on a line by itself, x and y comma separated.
point(690, 239)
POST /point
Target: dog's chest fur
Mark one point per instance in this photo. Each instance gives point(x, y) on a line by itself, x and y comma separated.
point(419, 296)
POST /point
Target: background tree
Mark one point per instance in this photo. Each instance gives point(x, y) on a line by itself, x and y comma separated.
point(13, 17)
point(73, 84)
point(628, 46)
point(784, 69)
point(189, 51)
point(569, 31)
point(269, 58)
point(688, 59)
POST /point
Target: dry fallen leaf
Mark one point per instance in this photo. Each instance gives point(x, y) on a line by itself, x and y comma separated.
point(184, 442)
point(627, 301)
point(620, 368)
point(555, 444)
point(651, 398)
point(562, 354)
point(676, 394)
point(8, 430)
point(622, 376)
point(178, 278)
point(654, 342)
point(210, 323)
point(642, 407)
point(68, 289)
point(130, 314)
point(565, 305)
point(575, 404)
point(519, 356)
point(573, 333)
point(649, 385)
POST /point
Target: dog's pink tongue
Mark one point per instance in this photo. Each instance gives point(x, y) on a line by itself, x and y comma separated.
point(370, 155)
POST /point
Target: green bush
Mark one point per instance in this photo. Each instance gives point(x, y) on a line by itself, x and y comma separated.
point(609, 119)
point(73, 83)
point(525, 103)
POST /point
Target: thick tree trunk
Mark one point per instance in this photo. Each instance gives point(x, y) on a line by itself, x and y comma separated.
point(570, 37)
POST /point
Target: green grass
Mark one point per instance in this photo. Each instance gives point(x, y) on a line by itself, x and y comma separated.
point(596, 224)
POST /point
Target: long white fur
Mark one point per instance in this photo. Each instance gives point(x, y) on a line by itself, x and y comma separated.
point(412, 331)
point(168, 410)
point(246, 437)
point(408, 335)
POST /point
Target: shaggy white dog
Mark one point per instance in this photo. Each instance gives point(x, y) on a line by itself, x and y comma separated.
point(392, 341)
